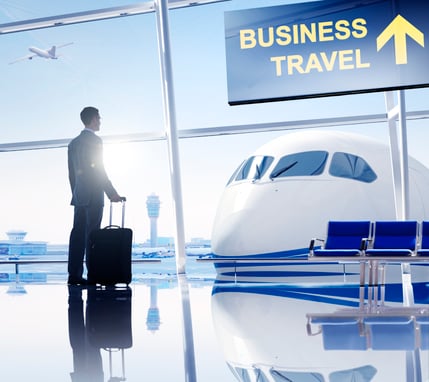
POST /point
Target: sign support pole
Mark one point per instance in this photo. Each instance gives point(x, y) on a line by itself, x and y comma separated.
point(398, 152)
point(399, 157)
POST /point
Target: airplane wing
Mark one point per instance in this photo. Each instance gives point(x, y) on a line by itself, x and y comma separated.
point(58, 47)
point(28, 57)
point(61, 46)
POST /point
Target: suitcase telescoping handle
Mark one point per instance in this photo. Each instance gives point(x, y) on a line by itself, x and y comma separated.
point(123, 200)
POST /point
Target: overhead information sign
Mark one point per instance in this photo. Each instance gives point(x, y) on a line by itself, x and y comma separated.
point(323, 48)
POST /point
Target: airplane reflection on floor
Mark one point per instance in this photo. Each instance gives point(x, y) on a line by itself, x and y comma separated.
point(269, 333)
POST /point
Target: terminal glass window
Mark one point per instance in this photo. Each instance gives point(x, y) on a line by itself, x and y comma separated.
point(350, 166)
point(307, 163)
point(253, 168)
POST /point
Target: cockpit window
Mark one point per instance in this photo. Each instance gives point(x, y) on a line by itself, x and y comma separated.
point(345, 165)
point(307, 163)
point(253, 168)
point(234, 174)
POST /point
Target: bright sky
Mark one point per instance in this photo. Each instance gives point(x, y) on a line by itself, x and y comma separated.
point(114, 66)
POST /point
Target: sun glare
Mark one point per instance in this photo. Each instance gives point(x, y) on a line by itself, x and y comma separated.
point(118, 158)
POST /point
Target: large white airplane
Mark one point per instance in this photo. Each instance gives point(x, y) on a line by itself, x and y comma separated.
point(43, 53)
point(285, 193)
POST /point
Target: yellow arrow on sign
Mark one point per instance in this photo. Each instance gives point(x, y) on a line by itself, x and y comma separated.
point(399, 28)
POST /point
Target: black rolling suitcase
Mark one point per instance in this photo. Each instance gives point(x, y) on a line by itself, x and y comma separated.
point(109, 258)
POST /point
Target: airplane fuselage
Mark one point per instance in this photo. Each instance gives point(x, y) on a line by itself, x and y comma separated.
point(42, 53)
point(286, 192)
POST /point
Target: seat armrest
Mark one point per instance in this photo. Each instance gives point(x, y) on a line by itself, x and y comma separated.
point(368, 243)
point(312, 244)
point(364, 244)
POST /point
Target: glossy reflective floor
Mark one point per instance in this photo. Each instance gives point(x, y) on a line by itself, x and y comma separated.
point(194, 328)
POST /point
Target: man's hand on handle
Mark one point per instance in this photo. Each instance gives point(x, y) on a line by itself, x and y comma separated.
point(116, 198)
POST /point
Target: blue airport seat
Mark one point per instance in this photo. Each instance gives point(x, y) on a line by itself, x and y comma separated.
point(394, 238)
point(424, 243)
point(341, 333)
point(344, 238)
point(423, 323)
point(391, 333)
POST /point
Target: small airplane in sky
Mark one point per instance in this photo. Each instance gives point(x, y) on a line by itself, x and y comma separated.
point(43, 53)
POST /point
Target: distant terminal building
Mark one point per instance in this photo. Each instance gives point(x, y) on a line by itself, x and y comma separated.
point(17, 246)
point(153, 205)
point(199, 242)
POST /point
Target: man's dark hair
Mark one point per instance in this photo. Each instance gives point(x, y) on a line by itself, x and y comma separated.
point(87, 114)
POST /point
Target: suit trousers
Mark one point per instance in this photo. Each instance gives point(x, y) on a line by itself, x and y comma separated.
point(86, 219)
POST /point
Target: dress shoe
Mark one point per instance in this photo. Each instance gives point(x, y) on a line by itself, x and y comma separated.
point(77, 281)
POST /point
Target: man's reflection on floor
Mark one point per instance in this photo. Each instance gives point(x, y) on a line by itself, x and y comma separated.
point(87, 363)
point(105, 324)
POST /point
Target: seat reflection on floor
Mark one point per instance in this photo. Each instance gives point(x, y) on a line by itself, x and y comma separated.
point(381, 329)
point(106, 326)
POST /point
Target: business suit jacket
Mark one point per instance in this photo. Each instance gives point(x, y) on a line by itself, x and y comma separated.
point(87, 176)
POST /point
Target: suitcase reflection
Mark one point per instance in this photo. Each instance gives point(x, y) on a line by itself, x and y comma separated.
point(105, 326)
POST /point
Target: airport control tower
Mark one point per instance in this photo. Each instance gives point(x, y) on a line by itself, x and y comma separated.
point(152, 204)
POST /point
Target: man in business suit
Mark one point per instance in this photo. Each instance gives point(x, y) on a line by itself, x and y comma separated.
point(88, 182)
